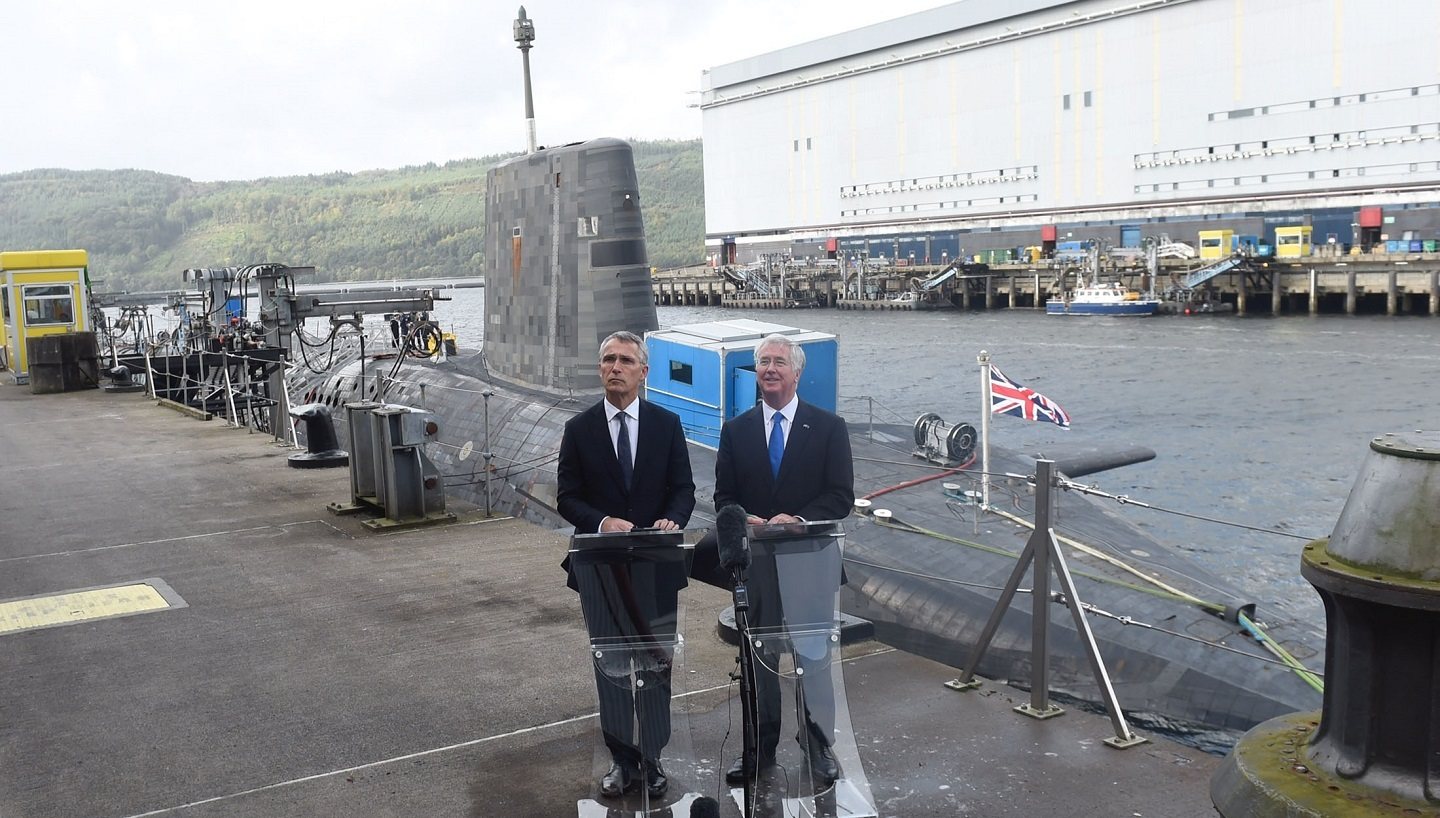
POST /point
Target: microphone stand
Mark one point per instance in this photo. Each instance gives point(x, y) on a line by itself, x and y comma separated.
point(749, 753)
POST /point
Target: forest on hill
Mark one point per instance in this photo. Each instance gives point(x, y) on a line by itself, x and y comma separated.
point(142, 228)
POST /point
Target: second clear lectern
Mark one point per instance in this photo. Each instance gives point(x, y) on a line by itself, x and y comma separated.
point(806, 761)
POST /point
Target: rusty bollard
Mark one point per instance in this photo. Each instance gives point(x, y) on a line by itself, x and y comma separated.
point(1374, 747)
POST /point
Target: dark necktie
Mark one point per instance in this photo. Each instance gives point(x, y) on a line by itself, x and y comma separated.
point(777, 444)
point(622, 450)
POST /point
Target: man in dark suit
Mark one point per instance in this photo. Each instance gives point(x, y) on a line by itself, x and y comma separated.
point(624, 463)
point(794, 469)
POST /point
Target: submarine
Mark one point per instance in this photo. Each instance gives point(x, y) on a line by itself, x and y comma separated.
point(1187, 652)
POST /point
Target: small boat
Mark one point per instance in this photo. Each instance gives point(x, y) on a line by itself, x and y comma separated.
point(1104, 299)
point(916, 300)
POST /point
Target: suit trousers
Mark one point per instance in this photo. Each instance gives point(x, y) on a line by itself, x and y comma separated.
point(795, 591)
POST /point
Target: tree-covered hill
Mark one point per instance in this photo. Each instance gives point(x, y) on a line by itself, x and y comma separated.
point(143, 228)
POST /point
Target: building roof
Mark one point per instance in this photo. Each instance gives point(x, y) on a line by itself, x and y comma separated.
point(890, 33)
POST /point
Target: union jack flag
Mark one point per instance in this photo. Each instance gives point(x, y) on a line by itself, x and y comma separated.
point(1010, 398)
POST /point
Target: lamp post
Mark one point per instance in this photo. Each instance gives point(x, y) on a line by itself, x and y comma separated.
point(524, 36)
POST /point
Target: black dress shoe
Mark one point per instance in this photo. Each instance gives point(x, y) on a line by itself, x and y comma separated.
point(822, 764)
point(617, 782)
point(735, 776)
point(655, 781)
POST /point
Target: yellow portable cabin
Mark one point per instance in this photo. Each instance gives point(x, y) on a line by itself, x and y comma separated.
point(1292, 242)
point(1217, 243)
point(42, 292)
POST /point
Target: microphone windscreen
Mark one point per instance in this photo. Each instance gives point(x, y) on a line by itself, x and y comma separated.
point(730, 537)
point(704, 807)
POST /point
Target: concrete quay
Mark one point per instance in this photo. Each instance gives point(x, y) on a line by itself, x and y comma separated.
point(297, 664)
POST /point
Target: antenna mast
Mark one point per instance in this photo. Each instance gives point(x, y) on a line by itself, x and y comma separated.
point(524, 36)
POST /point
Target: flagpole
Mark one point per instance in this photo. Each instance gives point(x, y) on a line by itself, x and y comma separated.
point(984, 360)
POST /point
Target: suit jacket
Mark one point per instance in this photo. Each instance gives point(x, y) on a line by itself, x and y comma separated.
point(817, 477)
point(588, 478)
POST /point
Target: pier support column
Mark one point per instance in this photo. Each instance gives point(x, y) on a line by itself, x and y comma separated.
point(1434, 293)
point(1392, 293)
point(989, 293)
point(1036, 303)
point(1277, 293)
point(1314, 292)
point(1352, 295)
point(1242, 295)
point(1010, 302)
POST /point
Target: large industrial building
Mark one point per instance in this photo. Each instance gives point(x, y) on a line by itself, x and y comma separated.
point(1008, 123)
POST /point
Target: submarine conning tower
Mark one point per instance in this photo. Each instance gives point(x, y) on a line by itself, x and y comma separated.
point(1374, 748)
point(565, 263)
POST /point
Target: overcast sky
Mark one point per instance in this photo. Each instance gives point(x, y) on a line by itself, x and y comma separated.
point(218, 90)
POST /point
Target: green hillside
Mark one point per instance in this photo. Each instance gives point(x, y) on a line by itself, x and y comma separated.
point(143, 228)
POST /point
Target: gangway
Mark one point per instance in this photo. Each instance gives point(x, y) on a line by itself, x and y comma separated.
point(951, 270)
point(749, 278)
point(1204, 274)
point(756, 283)
point(733, 275)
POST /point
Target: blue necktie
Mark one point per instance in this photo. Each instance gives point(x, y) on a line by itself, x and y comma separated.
point(777, 444)
point(622, 450)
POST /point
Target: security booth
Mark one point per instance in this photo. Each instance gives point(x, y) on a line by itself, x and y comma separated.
point(1217, 243)
point(42, 293)
point(705, 373)
point(1293, 242)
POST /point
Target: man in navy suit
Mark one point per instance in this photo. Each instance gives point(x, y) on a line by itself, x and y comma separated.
point(786, 461)
point(623, 464)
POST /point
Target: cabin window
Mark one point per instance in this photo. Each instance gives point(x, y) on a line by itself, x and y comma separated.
point(49, 304)
point(5, 304)
point(681, 372)
point(1065, 102)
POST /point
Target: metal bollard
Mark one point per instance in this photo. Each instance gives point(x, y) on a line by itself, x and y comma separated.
point(1374, 748)
point(322, 449)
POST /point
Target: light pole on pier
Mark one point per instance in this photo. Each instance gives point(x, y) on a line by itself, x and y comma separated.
point(524, 36)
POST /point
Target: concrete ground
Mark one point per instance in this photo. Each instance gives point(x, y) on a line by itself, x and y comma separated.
point(300, 665)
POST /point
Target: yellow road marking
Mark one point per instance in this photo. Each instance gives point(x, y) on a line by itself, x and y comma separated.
point(46, 611)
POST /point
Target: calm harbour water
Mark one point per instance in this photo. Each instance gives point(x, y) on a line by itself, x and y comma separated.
point(1263, 421)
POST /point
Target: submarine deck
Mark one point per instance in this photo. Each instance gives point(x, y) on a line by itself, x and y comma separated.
point(301, 665)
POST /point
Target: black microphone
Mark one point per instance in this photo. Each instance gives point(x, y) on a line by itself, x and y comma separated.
point(730, 538)
point(704, 807)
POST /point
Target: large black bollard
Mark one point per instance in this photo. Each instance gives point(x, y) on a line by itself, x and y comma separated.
point(123, 380)
point(322, 449)
point(1374, 748)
